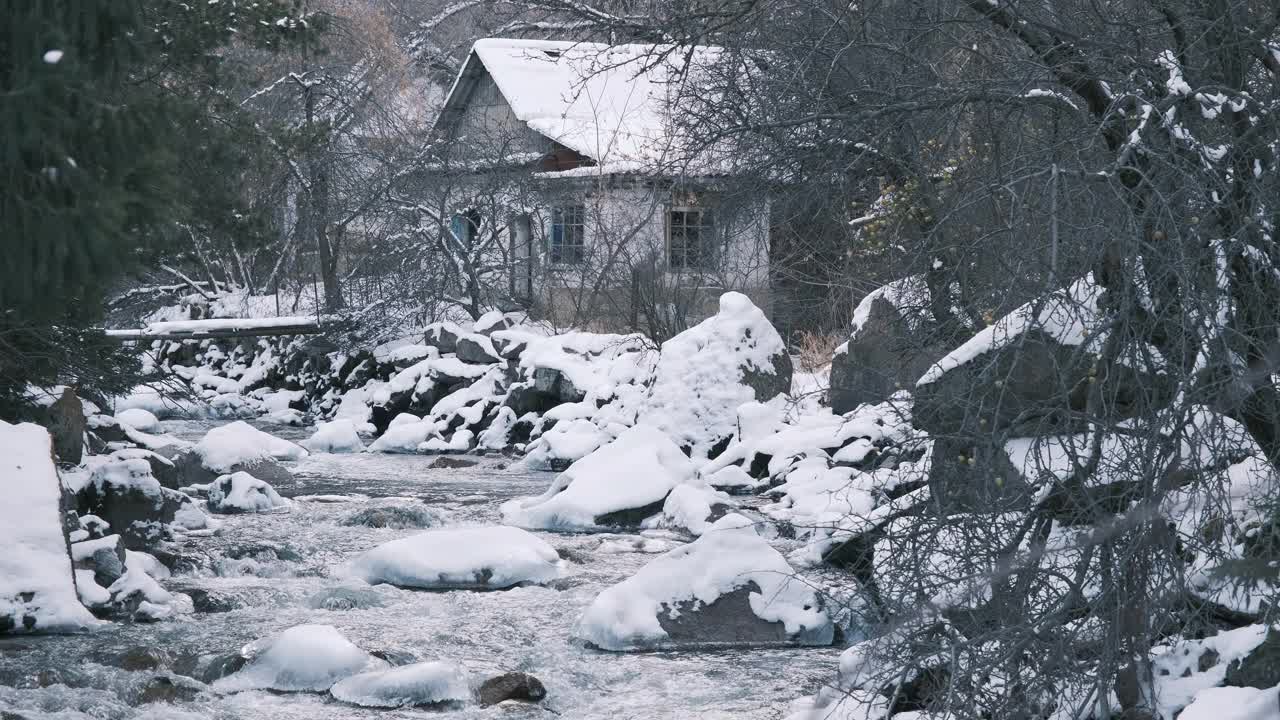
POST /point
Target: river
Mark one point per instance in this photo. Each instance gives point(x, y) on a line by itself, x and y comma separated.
point(277, 570)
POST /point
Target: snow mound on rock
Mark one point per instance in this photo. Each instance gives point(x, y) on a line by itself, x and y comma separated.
point(425, 683)
point(335, 436)
point(639, 468)
point(490, 558)
point(139, 419)
point(37, 586)
point(693, 508)
point(729, 556)
point(240, 443)
point(304, 658)
point(243, 493)
point(707, 371)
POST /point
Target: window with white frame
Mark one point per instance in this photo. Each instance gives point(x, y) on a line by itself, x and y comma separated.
point(568, 235)
point(691, 239)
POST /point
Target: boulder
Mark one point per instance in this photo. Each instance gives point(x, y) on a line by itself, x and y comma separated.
point(493, 321)
point(1260, 668)
point(303, 658)
point(104, 557)
point(162, 468)
point(555, 384)
point(706, 372)
point(509, 346)
point(1030, 370)
point(243, 493)
point(191, 471)
point(888, 349)
point(106, 429)
point(476, 349)
point(443, 336)
point(466, 558)
point(511, 686)
point(139, 419)
point(451, 463)
point(66, 423)
point(729, 588)
point(37, 580)
point(616, 486)
point(128, 497)
point(162, 688)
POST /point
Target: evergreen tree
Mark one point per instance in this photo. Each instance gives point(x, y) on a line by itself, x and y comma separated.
point(93, 145)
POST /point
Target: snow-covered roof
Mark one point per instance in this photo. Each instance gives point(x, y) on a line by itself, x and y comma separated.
point(610, 103)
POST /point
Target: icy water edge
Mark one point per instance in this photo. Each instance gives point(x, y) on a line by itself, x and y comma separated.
point(280, 570)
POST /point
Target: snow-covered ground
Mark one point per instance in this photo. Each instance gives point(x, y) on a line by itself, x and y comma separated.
point(275, 571)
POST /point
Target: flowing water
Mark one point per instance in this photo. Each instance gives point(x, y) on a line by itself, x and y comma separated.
point(268, 572)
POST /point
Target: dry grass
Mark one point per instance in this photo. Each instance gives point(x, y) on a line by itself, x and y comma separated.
point(815, 349)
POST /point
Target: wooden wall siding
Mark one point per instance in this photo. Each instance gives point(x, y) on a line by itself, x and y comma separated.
point(488, 118)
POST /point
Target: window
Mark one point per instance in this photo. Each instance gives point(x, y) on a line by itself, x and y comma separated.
point(465, 227)
point(568, 235)
point(691, 243)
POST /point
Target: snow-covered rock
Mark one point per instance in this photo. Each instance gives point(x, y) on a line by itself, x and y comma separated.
point(618, 485)
point(733, 479)
point(304, 658)
point(162, 468)
point(139, 419)
point(425, 683)
point(564, 444)
point(889, 346)
point(693, 508)
point(243, 493)
point(335, 436)
point(1030, 368)
point(239, 443)
point(489, 558)
point(707, 371)
point(729, 588)
point(37, 584)
point(128, 497)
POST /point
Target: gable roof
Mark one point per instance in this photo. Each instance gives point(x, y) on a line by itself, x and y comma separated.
point(615, 104)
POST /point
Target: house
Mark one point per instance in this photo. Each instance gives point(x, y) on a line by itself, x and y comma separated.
point(576, 167)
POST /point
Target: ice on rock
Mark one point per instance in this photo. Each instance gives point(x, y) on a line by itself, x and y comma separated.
point(243, 493)
point(490, 558)
point(139, 419)
point(304, 658)
point(37, 585)
point(633, 473)
point(425, 683)
point(729, 588)
point(239, 443)
point(706, 372)
point(335, 436)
